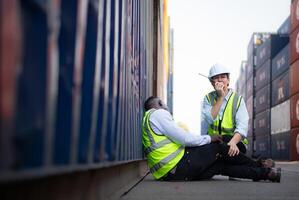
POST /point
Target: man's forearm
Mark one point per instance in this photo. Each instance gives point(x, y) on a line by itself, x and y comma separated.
point(216, 108)
point(236, 138)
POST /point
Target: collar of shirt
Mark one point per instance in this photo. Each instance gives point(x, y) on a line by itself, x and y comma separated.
point(230, 91)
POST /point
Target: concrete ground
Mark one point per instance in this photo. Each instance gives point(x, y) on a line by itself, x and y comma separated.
point(221, 188)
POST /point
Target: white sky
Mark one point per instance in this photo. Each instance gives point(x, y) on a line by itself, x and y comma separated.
point(210, 31)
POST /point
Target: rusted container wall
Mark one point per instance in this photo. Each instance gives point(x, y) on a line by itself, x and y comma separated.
point(262, 124)
point(294, 49)
point(294, 15)
point(280, 124)
point(263, 146)
point(263, 75)
point(10, 59)
point(294, 111)
point(280, 146)
point(263, 99)
point(294, 144)
point(294, 78)
point(280, 62)
point(280, 89)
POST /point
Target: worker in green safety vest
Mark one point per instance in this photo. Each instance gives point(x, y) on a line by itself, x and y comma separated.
point(173, 153)
point(224, 111)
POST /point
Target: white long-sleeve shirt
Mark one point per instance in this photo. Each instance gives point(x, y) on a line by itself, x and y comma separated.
point(162, 123)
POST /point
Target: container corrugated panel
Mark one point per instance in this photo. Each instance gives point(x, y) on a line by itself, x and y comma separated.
point(294, 144)
point(31, 103)
point(285, 27)
point(263, 99)
point(263, 75)
point(10, 59)
point(295, 110)
point(249, 149)
point(251, 47)
point(249, 106)
point(262, 123)
point(270, 48)
point(250, 128)
point(280, 146)
point(294, 15)
point(280, 124)
point(263, 148)
point(66, 43)
point(249, 67)
point(294, 48)
point(294, 78)
point(249, 87)
point(89, 68)
point(242, 76)
point(280, 89)
point(280, 62)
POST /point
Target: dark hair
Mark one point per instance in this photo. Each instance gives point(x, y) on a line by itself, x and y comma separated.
point(149, 103)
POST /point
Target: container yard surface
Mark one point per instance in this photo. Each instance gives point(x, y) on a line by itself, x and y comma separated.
point(221, 188)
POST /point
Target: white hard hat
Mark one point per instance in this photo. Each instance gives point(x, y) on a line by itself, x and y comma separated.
point(217, 69)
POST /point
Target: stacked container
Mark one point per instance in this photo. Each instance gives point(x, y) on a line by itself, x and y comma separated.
point(265, 53)
point(294, 82)
point(256, 40)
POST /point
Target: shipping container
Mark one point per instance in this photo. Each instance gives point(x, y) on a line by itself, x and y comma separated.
point(10, 60)
point(280, 146)
point(263, 146)
point(262, 126)
point(294, 144)
point(294, 48)
point(285, 27)
point(249, 87)
point(250, 146)
point(84, 70)
point(280, 124)
point(30, 124)
point(256, 40)
point(250, 128)
point(270, 48)
point(294, 111)
point(294, 78)
point(263, 75)
point(249, 67)
point(294, 15)
point(280, 89)
point(249, 106)
point(242, 73)
point(280, 62)
point(263, 99)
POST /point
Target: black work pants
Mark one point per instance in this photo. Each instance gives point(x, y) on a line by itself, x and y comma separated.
point(205, 161)
point(240, 145)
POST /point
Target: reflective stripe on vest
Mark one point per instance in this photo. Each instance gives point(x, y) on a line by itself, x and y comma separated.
point(169, 153)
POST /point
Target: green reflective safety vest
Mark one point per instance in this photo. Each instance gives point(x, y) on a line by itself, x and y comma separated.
point(227, 124)
point(162, 154)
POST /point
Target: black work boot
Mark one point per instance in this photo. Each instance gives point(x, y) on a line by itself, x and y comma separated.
point(266, 163)
point(274, 175)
